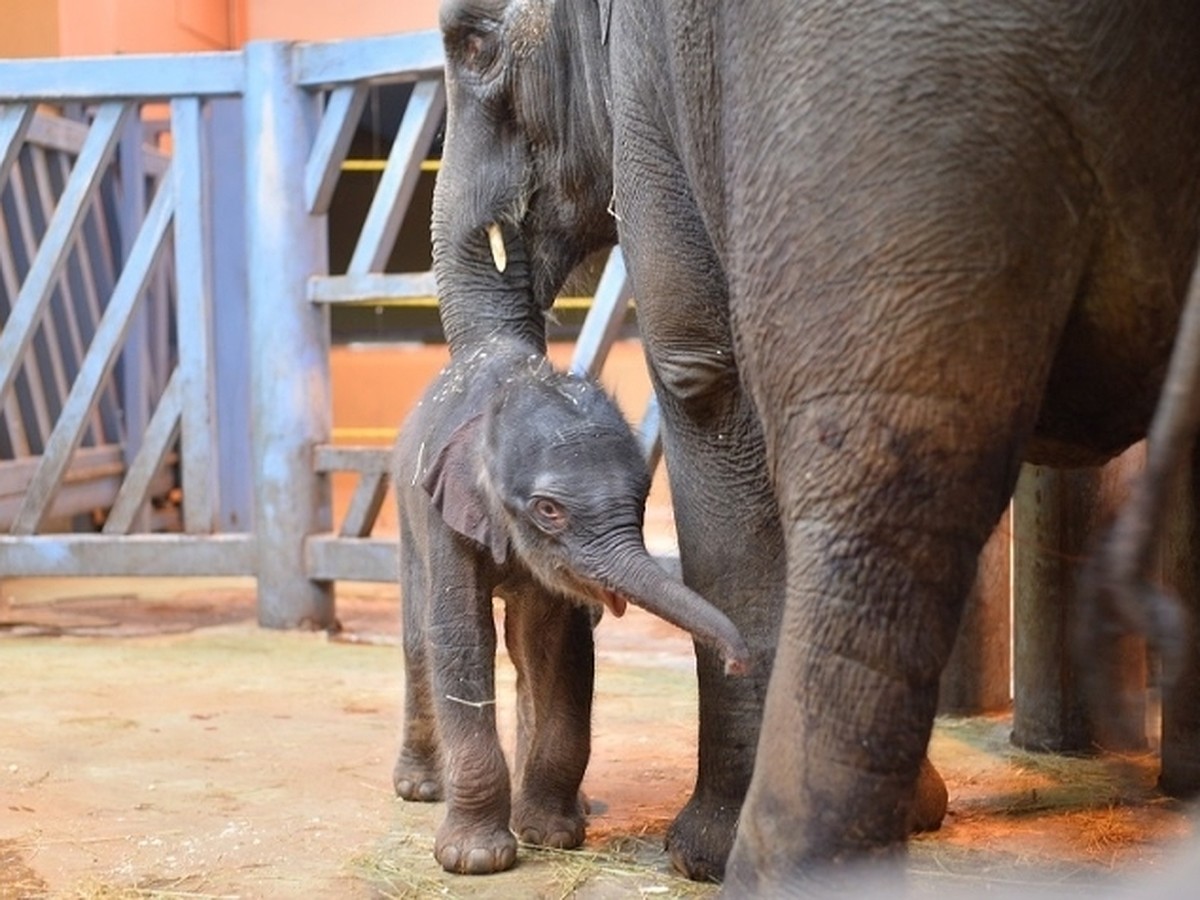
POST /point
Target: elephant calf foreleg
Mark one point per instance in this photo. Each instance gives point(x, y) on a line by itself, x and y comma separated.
point(474, 838)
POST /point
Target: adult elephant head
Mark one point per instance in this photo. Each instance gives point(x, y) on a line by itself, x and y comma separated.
point(526, 174)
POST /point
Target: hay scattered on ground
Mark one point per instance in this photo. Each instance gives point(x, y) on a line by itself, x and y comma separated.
point(624, 867)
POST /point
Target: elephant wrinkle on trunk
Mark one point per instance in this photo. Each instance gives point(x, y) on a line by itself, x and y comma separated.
point(883, 253)
point(517, 481)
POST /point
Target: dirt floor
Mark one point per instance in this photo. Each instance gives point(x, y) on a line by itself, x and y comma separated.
point(157, 744)
point(154, 743)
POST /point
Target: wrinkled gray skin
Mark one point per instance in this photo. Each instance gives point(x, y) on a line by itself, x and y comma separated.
point(518, 481)
point(926, 241)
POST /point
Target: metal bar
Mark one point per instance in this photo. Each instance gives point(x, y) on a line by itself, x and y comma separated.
point(94, 555)
point(342, 112)
point(368, 460)
point(35, 386)
point(415, 56)
point(365, 505)
point(330, 558)
point(193, 287)
point(156, 444)
point(15, 119)
point(104, 270)
point(133, 76)
point(96, 365)
point(371, 287)
point(75, 498)
point(231, 324)
point(87, 306)
point(57, 133)
point(604, 320)
point(289, 337)
point(11, 285)
point(87, 463)
point(134, 384)
point(48, 262)
point(63, 352)
point(417, 128)
point(67, 136)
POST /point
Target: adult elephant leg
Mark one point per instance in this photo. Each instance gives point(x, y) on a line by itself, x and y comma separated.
point(880, 560)
point(893, 452)
point(898, 293)
point(729, 540)
point(731, 553)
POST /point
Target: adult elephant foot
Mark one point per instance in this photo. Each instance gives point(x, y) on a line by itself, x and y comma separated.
point(699, 840)
point(473, 848)
point(929, 805)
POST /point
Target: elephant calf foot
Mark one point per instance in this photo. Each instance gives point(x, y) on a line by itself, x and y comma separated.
point(929, 805)
point(545, 825)
point(474, 849)
point(700, 838)
point(416, 778)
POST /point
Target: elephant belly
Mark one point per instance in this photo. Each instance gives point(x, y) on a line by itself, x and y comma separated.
point(1107, 373)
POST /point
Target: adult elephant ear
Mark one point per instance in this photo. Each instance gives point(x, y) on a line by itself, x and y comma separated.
point(452, 483)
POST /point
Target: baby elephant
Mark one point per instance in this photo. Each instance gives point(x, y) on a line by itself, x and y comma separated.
point(518, 481)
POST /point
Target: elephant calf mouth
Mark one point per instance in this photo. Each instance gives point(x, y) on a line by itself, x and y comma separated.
point(614, 602)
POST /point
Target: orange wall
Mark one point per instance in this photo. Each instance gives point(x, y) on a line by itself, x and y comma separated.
point(88, 27)
point(30, 29)
point(91, 27)
point(320, 19)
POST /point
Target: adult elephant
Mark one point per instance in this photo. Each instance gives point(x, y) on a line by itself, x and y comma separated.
point(924, 241)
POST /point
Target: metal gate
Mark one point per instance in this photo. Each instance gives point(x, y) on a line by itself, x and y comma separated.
point(165, 403)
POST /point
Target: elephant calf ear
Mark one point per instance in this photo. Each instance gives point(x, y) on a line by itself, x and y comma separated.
point(452, 483)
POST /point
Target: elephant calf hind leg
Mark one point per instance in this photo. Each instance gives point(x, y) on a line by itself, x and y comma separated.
point(545, 823)
point(551, 644)
point(417, 777)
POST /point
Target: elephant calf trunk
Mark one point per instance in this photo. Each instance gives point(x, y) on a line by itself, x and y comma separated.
point(651, 588)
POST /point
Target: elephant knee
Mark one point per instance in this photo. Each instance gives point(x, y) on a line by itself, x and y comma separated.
point(697, 379)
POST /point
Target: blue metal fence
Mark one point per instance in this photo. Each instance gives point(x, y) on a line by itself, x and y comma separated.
point(164, 358)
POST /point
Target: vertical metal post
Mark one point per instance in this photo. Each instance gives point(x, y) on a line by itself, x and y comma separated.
point(976, 677)
point(135, 359)
point(1056, 514)
point(230, 314)
point(289, 340)
point(1051, 512)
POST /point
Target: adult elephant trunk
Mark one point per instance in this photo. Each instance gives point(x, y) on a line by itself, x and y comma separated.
point(476, 299)
point(525, 179)
point(642, 582)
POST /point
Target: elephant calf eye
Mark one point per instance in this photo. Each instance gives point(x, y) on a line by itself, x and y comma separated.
point(549, 516)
